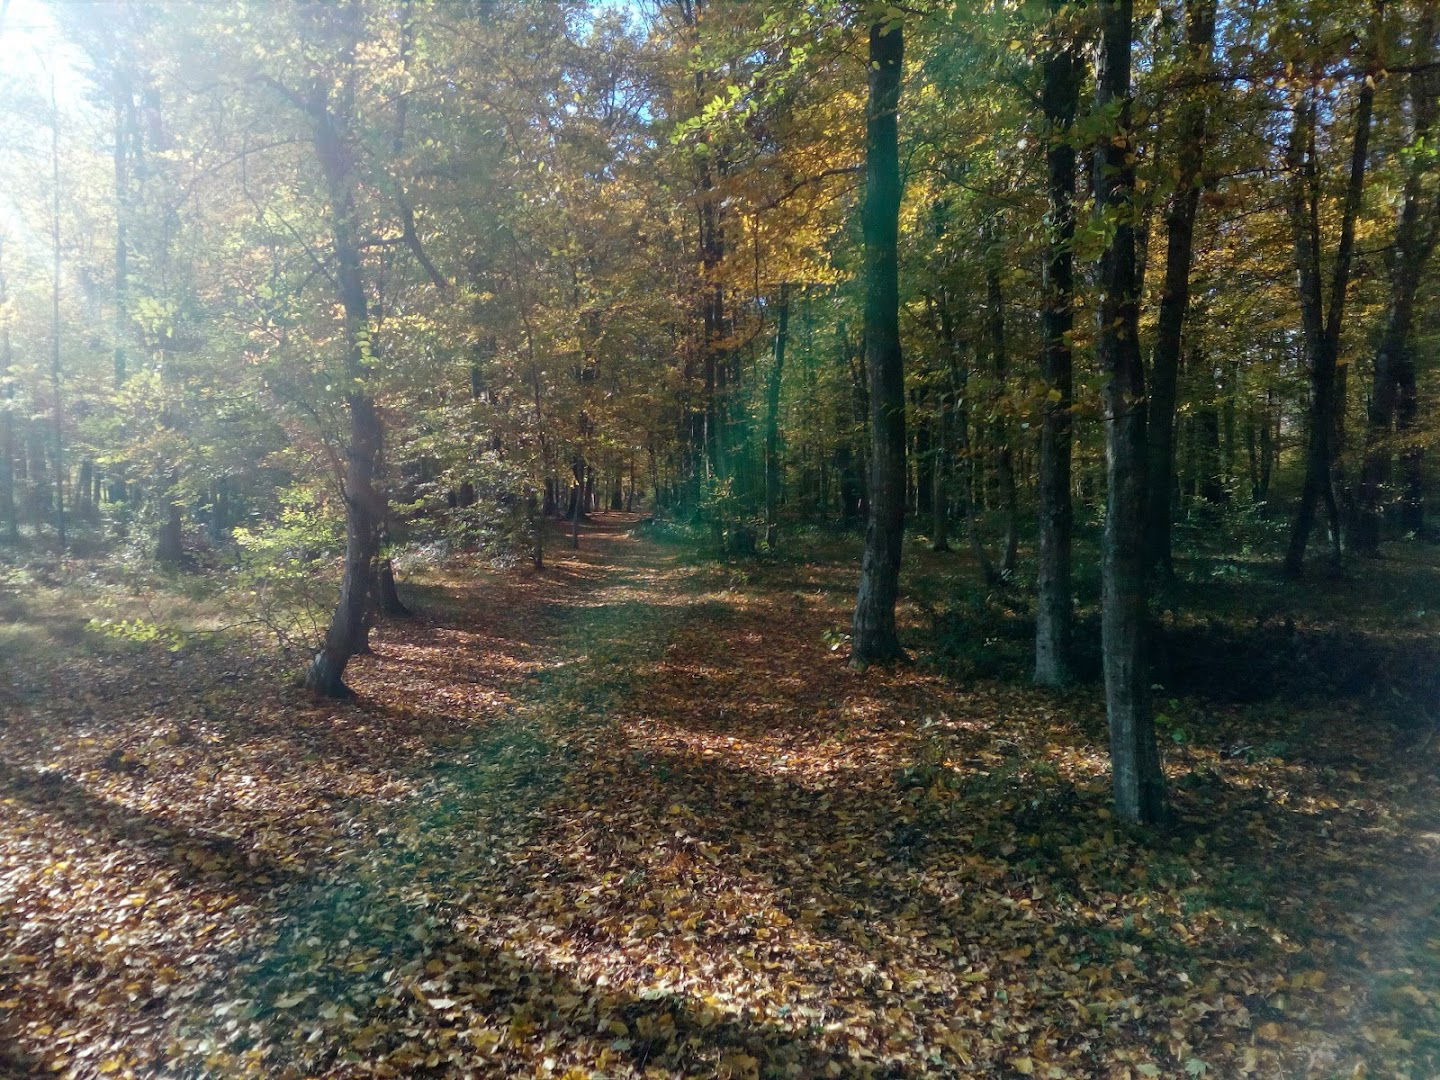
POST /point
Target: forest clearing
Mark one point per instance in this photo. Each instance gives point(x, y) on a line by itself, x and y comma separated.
point(719, 538)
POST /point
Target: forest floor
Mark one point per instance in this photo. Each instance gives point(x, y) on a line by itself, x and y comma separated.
point(635, 816)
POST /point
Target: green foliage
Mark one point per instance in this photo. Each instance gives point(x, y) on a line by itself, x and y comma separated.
point(286, 570)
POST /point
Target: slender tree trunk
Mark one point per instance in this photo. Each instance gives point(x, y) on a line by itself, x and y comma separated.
point(1392, 400)
point(1000, 425)
point(9, 519)
point(537, 531)
point(364, 510)
point(1054, 603)
point(772, 421)
point(1139, 784)
point(1322, 326)
point(940, 477)
point(57, 404)
point(1175, 292)
point(874, 636)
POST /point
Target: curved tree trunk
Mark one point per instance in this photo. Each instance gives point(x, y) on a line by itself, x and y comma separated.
point(364, 511)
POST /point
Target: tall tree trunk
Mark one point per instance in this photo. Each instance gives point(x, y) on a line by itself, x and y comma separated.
point(1054, 603)
point(364, 511)
point(772, 420)
point(1175, 292)
point(9, 518)
point(1392, 398)
point(874, 637)
point(940, 476)
point(1000, 424)
point(57, 405)
point(1322, 327)
point(1139, 784)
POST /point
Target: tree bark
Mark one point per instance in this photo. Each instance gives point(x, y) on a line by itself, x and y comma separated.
point(363, 509)
point(8, 514)
point(1175, 292)
point(57, 404)
point(1054, 603)
point(1000, 425)
point(1322, 327)
point(1392, 400)
point(874, 636)
point(772, 421)
point(1139, 784)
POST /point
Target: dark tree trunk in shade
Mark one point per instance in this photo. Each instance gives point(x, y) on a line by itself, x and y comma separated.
point(940, 476)
point(1054, 604)
point(364, 510)
point(1139, 783)
point(874, 636)
point(1000, 427)
point(1175, 292)
point(1392, 398)
point(1322, 322)
point(772, 420)
point(170, 537)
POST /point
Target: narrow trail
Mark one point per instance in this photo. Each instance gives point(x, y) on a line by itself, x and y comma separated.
point(632, 816)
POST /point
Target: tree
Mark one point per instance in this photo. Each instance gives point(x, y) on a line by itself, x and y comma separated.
point(874, 636)
point(1053, 597)
point(1139, 784)
point(1322, 316)
point(1175, 292)
point(1393, 399)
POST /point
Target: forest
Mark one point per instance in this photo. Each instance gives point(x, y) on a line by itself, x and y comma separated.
point(719, 538)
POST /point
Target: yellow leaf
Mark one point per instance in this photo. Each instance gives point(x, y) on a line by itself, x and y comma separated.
point(1023, 1065)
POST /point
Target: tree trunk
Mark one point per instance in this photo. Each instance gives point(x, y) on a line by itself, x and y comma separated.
point(364, 511)
point(940, 477)
point(57, 404)
point(169, 538)
point(1392, 400)
point(1000, 425)
point(1175, 292)
point(874, 636)
point(537, 532)
point(1054, 604)
point(1139, 783)
point(772, 421)
point(1322, 327)
point(9, 519)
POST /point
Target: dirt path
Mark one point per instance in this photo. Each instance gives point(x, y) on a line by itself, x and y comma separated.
point(633, 817)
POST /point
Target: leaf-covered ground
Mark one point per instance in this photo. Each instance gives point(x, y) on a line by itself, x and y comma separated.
point(634, 817)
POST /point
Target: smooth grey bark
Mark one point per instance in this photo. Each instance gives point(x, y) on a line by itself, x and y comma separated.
point(1139, 783)
point(1054, 602)
point(874, 637)
point(1175, 291)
